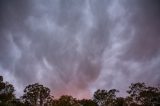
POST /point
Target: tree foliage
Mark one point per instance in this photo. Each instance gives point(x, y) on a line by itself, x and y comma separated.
point(104, 97)
point(144, 95)
point(36, 95)
point(66, 100)
point(6, 92)
point(87, 102)
point(120, 101)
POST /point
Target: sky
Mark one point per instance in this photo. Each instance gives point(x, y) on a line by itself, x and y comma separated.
point(75, 47)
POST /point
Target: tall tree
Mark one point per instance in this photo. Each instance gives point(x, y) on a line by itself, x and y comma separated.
point(6, 92)
point(104, 97)
point(36, 95)
point(66, 100)
point(144, 95)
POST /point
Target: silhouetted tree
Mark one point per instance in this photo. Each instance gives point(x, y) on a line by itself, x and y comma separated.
point(144, 95)
point(55, 102)
point(66, 100)
point(104, 97)
point(129, 100)
point(17, 102)
point(6, 92)
point(36, 95)
point(120, 101)
point(49, 101)
point(87, 102)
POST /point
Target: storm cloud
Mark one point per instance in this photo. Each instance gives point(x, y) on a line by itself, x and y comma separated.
point(77, 46)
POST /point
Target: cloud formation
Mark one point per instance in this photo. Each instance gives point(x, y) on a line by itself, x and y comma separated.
point(75, 47)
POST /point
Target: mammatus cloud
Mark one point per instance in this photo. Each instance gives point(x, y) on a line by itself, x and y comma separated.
point(76, 47)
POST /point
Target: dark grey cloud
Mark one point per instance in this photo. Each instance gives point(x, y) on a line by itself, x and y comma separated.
point(80, 45)
point(134, 52)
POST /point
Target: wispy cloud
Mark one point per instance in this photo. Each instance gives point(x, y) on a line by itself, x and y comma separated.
point(79, 46)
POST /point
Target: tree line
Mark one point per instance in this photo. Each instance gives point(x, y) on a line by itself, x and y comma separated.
point(139, 94)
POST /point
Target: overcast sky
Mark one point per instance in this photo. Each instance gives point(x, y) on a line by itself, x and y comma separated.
point(75, 47)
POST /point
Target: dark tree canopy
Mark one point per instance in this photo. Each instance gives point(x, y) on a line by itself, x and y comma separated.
point(144, 95)
point(6, 92)
point(87, 102)
point(104, 97)
point(66, 100)
point(120, 101)
point(36, 95)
